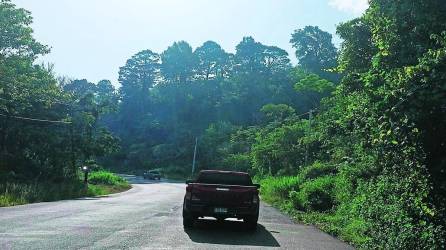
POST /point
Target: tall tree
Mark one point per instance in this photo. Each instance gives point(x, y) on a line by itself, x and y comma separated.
point(212, 61)
point(178, 62)
point(249, 56)
point(137, 77)
point(315, 50)
point(16, 35)
point(40, 119)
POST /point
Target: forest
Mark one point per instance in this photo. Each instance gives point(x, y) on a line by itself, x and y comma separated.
point(351, 139)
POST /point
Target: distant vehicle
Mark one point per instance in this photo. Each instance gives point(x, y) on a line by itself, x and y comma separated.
point(152, 175)
point(221, 194)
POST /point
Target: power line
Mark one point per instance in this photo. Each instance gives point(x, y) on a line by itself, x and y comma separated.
point(35, 120)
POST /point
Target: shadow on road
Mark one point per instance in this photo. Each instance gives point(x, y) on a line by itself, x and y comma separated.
point(230, 233)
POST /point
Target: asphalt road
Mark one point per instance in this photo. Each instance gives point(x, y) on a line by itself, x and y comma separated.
point(146, 217)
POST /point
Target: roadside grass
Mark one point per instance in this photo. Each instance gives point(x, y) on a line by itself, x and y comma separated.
point(311, 201)
point(103, 183)
point(106, 178)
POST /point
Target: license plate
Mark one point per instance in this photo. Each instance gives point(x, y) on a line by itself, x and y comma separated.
point(220, 210)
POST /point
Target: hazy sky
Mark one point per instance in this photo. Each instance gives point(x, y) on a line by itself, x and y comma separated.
point(92, 38)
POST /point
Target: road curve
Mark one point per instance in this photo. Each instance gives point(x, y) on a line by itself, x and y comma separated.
point(146, 217)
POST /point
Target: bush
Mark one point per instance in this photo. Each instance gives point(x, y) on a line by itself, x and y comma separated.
point(317, 169)
point(105, 178)
point(399, 220)
point(102, 183)
point(22, 193)
point(315, 195)
point(278, 188)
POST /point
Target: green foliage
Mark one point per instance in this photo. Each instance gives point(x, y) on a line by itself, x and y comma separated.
point(48, 128)
point(276, 189)
point(100, 183)
point(17, 38)
point(105, 178)
point(377, 180)
point(212, 61)
point(314, 49)
point(280, 149)
point(316, 170)
point(315, 195)
point(18, 193)
point(277, 112)
point(313, 82)
point(177, 62)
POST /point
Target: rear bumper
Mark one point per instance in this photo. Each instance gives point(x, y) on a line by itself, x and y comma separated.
point(200, 210)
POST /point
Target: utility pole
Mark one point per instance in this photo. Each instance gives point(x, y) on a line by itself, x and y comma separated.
point(73, 156)
point(309, 128)
point(195, 155)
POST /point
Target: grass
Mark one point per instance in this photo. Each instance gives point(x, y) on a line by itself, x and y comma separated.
point(281, 192)
point(101, 183)
point(106, 178)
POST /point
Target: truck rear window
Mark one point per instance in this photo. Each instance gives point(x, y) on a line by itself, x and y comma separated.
point(225, 179)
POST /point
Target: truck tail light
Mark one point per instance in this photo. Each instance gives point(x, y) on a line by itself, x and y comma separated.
point(188, 192)
point(255, 199)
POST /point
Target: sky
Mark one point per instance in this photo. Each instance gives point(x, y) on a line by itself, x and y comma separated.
point(91, 39)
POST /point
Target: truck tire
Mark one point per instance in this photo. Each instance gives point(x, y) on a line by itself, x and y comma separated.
point(188, 222)
point(188, 219)
point(251, 222)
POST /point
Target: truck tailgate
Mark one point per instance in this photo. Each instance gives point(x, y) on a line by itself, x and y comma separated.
point(223, 195)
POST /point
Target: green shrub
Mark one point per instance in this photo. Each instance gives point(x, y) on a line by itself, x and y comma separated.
point(101, 183)
point(22, 193)
point(317, 169)
point(277, 188)
point(315, 195)
point(105, 178)
point(399, 220)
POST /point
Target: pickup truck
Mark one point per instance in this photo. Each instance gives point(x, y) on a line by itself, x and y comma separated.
point(152, 175)
point(221, 194)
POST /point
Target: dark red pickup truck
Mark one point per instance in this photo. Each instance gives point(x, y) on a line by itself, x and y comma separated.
point(221, 194)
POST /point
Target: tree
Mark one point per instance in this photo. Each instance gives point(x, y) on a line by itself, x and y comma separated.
point(403, 29)
point(79, 88)
point(137, 77)
point(178, 62)
point(17, 38)
point(315, 51)
point(312, 87)
point(276, 60)
point(212, 61)
point(249, 56)
point(357, 49)
point(28, 90)
point(43, 124)
point(106, 95)
point(277, 112)
point(141, 72)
